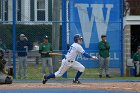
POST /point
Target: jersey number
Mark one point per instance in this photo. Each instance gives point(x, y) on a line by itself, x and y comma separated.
point(70, 49)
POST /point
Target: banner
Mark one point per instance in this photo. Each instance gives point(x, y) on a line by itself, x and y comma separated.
point(93, 18)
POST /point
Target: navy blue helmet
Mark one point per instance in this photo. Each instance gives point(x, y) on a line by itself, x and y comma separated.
point(76, 37)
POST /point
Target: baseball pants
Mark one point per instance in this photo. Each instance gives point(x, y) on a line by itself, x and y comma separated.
point(137, 67)
point(22, 67)
point(66, 64)
point(47, 62)
point(103, 64)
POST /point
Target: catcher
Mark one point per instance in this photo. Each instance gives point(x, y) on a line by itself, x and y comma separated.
point(4, 78)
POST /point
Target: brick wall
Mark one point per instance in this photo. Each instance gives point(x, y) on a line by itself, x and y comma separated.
point(127, 47)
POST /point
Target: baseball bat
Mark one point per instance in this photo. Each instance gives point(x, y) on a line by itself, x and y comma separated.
point(53, 54)
point(56, 54)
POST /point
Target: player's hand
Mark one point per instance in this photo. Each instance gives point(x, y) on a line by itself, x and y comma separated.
point(94, 57)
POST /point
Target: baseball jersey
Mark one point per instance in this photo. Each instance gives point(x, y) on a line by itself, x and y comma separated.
point(136, 57)
point(74, 50)
point(104, 49)
point(45, 47)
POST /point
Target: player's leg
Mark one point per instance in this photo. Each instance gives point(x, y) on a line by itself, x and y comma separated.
point(80, 69)
point(43, 65)
point(107, 67)
point(63, 68)
point(25, 66)
point(20, 67)
point(5, 79)
point(2, 78)
point(137, 68)
point(101, 66)
point(50, 66)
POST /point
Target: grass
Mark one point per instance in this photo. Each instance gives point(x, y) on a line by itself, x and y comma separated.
point(34, 73)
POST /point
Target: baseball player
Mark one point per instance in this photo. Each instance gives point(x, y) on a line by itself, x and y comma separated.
point(45, 57)
point(136, 61)
point(104, 57)
point(4, 78)
point(69, 61)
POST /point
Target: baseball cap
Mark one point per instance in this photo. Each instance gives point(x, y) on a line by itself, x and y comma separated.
point(103, 36)
point(22, 35)
point(46, 37)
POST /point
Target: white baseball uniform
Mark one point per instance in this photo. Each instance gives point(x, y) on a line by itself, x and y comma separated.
point(69, 60)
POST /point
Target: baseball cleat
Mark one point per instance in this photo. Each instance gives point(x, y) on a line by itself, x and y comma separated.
point(44, 80)
point(76, 82)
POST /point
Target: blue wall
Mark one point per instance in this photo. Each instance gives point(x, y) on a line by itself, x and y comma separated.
point(91, 19)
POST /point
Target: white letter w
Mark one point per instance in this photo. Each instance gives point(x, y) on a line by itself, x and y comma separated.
point(87, 23)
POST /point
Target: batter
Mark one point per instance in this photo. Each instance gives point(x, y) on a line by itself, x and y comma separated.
point(69, 61)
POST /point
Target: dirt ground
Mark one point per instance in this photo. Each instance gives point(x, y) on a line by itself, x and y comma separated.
point(118, 86)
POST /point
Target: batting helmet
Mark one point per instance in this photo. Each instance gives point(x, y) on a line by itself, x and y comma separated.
point(76, 37)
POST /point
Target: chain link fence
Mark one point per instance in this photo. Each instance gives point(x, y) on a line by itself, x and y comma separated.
point(35, 19)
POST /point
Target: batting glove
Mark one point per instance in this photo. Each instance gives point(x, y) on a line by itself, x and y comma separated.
point(95, 58)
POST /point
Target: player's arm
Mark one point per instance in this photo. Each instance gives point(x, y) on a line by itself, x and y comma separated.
point(51, 48)
point(107, 46)
point(40, 48)
point(81, 50)
point(18, 46)
point(101, 46)
point(88, 56)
